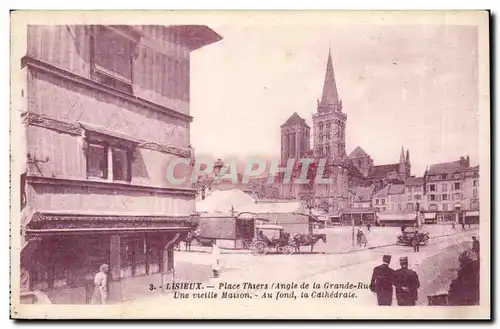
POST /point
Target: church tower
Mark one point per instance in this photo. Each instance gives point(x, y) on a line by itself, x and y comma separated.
point(295, 138)
point(329, 122)
point(329, 126)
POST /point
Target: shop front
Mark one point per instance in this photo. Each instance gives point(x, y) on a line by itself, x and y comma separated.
point(65, 252)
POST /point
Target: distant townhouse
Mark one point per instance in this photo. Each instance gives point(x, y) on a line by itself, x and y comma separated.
point(445, 188)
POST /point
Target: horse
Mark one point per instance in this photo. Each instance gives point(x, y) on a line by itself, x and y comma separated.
point(190, 237)
point(308, 240)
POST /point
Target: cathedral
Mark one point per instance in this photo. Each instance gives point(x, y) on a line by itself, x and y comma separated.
point(346, 172)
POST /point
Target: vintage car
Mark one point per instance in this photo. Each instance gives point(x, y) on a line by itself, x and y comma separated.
point(274, 238)
point(406, 237)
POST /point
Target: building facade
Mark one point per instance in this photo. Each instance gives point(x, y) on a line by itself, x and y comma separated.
point(106, 109)
point(449, 188)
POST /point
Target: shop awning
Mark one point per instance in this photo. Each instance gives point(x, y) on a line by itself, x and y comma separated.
point(430, 215)
point(396, 217)
point(472, 214)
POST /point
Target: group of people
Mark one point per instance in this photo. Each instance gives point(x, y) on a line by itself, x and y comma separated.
point(405, 281)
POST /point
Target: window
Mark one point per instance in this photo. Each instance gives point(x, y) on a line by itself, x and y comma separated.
point(107, 161)
point(383, 201)
point(457, 196)
point(457, 186)
point(418, 197)
point(328, 126)
point(432, 188)
point(432, 197)
point(112, 58)
point(417, 189)
point(328, 136)
point(97, 160)
point(475, 193)
point(443, 187)
point(409, 189)
point(321, 127)
point(445, 207)
point(409, 197)
point(443, 176)
point(328, 150)
point(321, 139)
point(474, 204)
point(445, 197)
point(433, 207)
point(475, 183)
point(376, 201)
point(409, 206)
point(400, 207)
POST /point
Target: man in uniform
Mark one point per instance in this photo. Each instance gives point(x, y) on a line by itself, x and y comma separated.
point(406, 283)
point(382, 281)
point(415, 241)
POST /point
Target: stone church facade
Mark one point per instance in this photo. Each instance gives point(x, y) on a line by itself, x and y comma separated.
point(346, 172)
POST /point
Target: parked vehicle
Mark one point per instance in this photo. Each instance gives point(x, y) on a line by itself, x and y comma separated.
point(406, 237)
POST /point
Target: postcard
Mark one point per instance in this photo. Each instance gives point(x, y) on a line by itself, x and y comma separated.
point(250, 165)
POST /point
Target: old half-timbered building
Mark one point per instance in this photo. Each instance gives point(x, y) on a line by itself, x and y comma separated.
point(106, 109)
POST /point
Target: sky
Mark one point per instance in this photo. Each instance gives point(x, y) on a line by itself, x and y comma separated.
point(407, 85)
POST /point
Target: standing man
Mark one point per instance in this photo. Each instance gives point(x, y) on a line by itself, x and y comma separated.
point(407, 283)
point(475, 245)
point(382, 281)
point(215, 259)
point(100, 295)
point(415, 241)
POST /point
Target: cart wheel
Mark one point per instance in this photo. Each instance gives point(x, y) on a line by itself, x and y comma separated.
point(289, 250)
point(258, 248)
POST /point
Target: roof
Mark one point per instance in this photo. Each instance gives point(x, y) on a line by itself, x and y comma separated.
point(358, 152)
point(363, 194)
point(414, 181)
point(274, 208)
point(353, 170)
point(222, 200)
point(396, 189)
point(293, 120)
point(383, 192)
point(195, 36)
point(329, 95)
point(269, 226)
point(380, 172)
point(447, 168)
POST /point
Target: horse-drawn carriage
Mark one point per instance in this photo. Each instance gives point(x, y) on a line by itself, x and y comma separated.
point(408, 234)
point(280, 241)
point(272, 237)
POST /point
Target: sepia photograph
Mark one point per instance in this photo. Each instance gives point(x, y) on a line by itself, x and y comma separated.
point(250, 165)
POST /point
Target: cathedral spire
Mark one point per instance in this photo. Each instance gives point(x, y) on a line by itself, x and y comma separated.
point(329, 96)
point(407, 157)
point(402, 156)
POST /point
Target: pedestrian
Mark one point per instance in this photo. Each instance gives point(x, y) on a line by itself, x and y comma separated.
point(415, 242)
point(215, 259)
point(100, 295)
point(407, 284)
point(463, 225)
point(453, 225)
point(363, 238)
point(475, 245)
point(382, 282)
point(403, 228)
point(468, 222)
point(368, 226)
